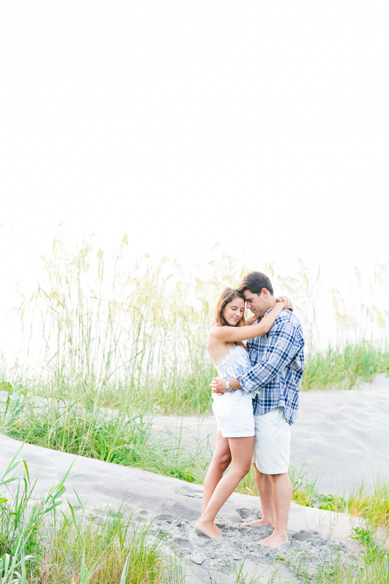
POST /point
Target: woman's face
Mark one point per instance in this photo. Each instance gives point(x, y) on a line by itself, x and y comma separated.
point(234, 311)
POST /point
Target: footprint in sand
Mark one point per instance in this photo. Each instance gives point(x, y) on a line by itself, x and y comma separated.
point(190, 492)
point(245, 512)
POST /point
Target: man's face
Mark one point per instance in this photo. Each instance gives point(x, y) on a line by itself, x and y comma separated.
point(257, 303)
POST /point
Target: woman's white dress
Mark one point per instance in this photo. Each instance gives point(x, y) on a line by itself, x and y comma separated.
point(234, 411)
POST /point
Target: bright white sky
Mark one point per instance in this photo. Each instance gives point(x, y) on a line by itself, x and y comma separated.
point(260, 125)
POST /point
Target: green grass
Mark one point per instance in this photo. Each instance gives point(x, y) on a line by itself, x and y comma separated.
point(128, 440)
point(49, 542)
point(190, 393)
point(78, 550)
point(133, 339)
point(342, 368)
point(120, 439)
point(371, 565)
point(40, 546)
point(111, 332)
point(114, 551)
point(370, 504)
point(21, 520)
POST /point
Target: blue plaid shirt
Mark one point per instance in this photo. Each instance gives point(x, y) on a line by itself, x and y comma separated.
point(277, 360)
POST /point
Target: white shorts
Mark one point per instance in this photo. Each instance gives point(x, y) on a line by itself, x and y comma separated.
point(234, 414)
point(272, 442)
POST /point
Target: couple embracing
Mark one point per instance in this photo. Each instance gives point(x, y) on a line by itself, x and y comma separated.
point(255, 402)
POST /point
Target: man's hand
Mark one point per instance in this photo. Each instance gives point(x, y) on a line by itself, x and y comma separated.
point(218, 385)
point(287, 301)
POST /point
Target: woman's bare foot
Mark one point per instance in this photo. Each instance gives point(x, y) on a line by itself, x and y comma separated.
point(275, 540)
point(262, 521)
point(208, 528)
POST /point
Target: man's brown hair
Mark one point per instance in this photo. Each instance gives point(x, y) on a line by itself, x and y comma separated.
point(255, 281)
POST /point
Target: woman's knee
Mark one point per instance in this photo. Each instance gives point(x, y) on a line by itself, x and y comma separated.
point(223, 460)
point(221, 455)
point(241, 468)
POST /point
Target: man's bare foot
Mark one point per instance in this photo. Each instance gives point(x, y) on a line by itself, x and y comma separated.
point(208, 528)
point(262, 521)
point(275, 540)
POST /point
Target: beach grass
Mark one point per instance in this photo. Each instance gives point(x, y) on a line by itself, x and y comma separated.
point(371, 504)
point(40, 546)
point(128, 440)
point(45, 547)
point(341, 368)
point(119, 333)
point(112, 551)
point(37, 547)
point(96, 335)
point(117, 438)
point(370, 565)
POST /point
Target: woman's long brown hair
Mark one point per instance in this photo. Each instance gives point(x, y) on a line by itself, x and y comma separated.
point(227, 296)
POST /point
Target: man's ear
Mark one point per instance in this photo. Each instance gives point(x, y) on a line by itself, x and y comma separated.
point(265, 292)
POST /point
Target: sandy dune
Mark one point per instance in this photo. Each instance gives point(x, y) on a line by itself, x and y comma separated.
point(174, 505)
point(340, 438)
point(341, 435)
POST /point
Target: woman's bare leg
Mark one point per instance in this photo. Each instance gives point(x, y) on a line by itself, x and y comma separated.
point(241, 453)
point(220, 461)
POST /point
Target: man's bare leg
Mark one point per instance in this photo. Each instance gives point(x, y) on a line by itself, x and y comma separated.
point(264, 484)
point(241, 451)
point(282, 489)
point(220, 460)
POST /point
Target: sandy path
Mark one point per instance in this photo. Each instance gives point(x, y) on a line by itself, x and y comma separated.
point(341, 435)
point(340, 438)
point(174, 505)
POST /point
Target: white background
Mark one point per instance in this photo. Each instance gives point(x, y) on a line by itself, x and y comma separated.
point(260, 125)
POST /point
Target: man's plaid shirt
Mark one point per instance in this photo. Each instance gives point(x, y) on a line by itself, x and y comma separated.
point(277, 360)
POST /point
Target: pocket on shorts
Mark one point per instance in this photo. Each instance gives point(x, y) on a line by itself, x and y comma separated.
point(222, 407)
point(277, 415)
point(272, 418)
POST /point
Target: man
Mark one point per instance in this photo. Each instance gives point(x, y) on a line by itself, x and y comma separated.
point(277, 361)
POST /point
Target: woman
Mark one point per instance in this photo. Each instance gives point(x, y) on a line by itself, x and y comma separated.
point(233, 411)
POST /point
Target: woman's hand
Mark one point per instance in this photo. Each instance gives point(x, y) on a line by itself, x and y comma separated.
point(287, 301)
point(218, 385)
point(250, 319)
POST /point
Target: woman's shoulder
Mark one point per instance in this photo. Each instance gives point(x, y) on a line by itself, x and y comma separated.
point(215, 331)
point(213, 336)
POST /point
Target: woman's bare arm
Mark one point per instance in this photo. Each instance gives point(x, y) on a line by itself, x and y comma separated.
point(241, 333)
point(288, 304)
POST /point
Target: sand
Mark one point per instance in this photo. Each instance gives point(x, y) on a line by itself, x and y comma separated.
point(340, 439)
point(341, 435)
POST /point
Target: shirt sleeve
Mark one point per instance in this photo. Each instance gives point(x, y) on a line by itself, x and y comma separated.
point(281, 348)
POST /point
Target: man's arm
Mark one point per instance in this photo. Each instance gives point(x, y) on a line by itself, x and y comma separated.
point(283, 344)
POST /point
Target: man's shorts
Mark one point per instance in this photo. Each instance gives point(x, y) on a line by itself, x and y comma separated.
point(272, 442)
